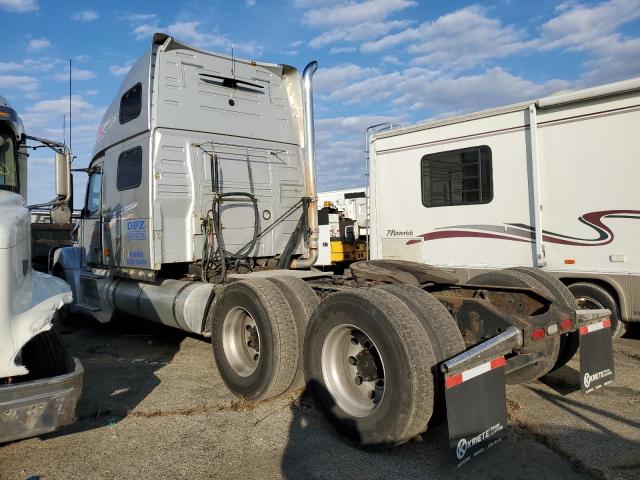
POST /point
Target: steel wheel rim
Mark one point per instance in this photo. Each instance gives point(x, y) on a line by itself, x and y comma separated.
point(241, 341)
point(357, 388)
point(588, 303)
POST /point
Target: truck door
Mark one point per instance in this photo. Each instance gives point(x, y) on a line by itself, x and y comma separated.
point(92, 220)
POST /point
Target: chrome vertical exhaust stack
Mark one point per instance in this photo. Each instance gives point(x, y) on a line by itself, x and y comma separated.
point(310, 169)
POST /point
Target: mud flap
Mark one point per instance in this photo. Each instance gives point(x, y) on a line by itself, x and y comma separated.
point(476, 409)
point(596, 356)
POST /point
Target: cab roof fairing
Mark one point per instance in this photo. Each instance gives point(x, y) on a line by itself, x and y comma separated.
point(167, 42)
point(110, 131)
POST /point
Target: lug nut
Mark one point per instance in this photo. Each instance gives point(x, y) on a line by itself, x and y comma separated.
point(358, 380)
point(352, 360)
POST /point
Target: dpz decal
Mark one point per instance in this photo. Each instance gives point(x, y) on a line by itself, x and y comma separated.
point(136, 258)
point(136, 230)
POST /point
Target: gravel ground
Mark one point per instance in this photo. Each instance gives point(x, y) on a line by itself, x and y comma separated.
point(154, 407)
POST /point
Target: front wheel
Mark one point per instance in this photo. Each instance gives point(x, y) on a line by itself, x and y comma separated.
point(46, 356)
point(368, 366)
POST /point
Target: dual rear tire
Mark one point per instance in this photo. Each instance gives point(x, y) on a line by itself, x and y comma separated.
point(371, 362)
point(257, 334)
point(370, 356)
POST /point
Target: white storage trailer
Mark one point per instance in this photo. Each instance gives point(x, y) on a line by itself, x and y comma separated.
point(201, 214)
point(551, 183)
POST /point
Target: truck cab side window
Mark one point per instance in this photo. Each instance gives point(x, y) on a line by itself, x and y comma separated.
point(131, 104)
point(457, 177)
point(8, 163)
point(94, 195)
point(129, 169)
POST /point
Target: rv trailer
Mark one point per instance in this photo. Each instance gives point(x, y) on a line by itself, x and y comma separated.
point(550, 183)
point(201, 214)
point(40, 383)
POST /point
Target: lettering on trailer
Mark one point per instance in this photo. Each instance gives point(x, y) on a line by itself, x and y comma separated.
point(136, 258)
point(136, 230)
point(476, 409)
point(399, 233)
point(596, 356)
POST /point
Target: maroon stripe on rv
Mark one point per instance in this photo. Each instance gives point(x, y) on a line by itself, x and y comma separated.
point(461, 233)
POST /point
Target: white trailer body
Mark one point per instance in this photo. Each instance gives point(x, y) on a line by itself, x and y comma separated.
point(551, 183)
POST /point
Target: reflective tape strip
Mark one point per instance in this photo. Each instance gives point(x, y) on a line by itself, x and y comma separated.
point(595, 326)
point(458, 378)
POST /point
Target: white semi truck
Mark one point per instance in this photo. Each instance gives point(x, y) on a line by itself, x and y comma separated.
point(39, 382)
point(201, 214)
point(549, 183)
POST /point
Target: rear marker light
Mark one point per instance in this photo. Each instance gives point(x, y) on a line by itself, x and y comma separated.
point(565, 324)
point(537, 334)
point(551, 329)
point(569, 261)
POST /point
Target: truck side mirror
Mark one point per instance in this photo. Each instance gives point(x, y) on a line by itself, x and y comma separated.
point(62, 175)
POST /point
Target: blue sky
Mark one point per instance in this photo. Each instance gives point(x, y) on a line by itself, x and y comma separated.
point(381, 60)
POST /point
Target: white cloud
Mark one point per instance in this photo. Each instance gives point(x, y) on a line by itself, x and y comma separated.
point(76, 74)
point(353, 13)
point(494, 87)
point(340, 142)
point(357, 33)
point(39, 65)
point(338, 50)
point(85, 16)
point(36, 44)
point(341, 76)
point(19, 6)
point(593, 30)
point(391, 59)
point(421, 89)
point(458, 40)
point(579, 25)
point(10, 66)
point(120, 70)
point(18, 82)
point(192, 32)
point(612, 59)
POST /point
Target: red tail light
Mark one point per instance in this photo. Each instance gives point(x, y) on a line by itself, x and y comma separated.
point(537, 334)
point(565, 324)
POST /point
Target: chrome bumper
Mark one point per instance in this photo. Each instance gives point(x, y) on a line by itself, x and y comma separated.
point(40, 406)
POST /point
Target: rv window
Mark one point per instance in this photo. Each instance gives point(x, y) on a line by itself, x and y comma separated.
point(457, 177)
point(131, 104)
point(130, 169)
